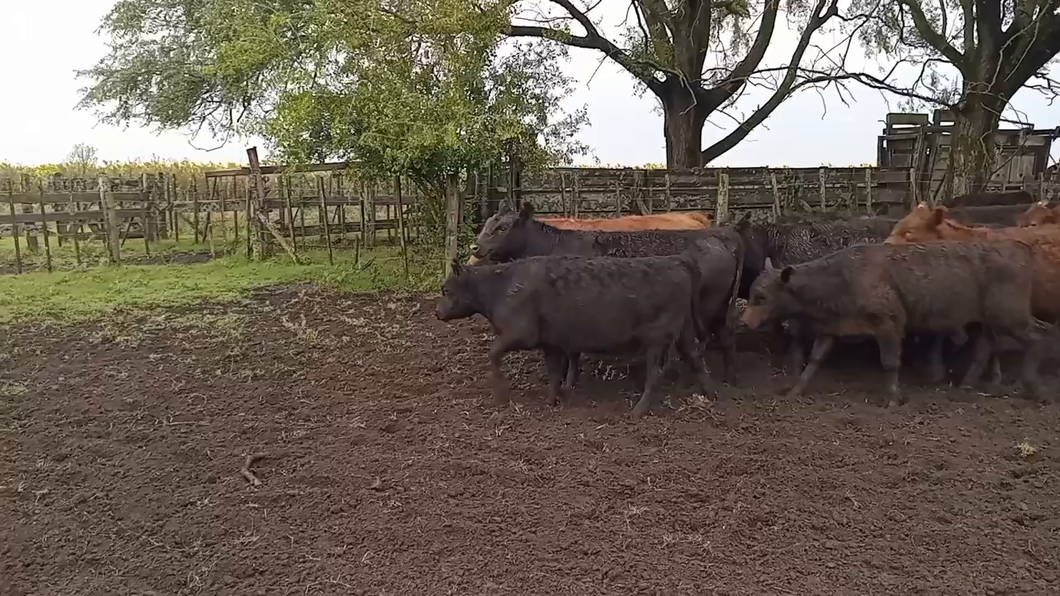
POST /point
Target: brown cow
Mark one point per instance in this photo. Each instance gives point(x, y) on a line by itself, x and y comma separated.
point(692, 220)
point(925, 224)
point(1039, 214)
point(688, 220)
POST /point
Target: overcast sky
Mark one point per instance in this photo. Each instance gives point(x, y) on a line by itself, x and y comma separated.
point(45, 41)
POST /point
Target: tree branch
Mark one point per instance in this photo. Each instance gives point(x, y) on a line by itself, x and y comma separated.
point(823, 11)
point(738, 77)
point(934, 38)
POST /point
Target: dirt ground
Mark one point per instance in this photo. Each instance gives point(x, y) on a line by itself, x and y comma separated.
point(387, 471)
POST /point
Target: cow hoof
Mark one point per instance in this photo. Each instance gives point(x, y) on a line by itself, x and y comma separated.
point(551, 401)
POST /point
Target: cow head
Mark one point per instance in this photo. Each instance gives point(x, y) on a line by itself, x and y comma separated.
point(459, 298)
point(1039, 214)
point(770, 297)
point(504, 235)
point(921, 225)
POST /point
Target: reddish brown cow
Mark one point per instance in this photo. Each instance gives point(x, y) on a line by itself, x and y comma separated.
point(692, 220)
point(689, 220)
point(1039, 214)
point(925, 224)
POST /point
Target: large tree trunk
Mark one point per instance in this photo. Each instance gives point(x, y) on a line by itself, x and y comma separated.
point(683, 120)
point(972, 149)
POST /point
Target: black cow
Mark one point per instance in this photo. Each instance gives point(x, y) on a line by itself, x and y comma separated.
point(989, 215)
point(791, 241)
point(509, 235)
point(983, 199)
point(563, 305)
point(873, 289)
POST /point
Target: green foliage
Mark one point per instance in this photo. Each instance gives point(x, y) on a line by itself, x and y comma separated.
point(420, 87)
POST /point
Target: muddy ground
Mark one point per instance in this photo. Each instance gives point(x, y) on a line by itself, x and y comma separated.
point(387, 470)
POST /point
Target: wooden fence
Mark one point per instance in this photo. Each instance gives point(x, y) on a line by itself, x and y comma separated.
point(330, 205)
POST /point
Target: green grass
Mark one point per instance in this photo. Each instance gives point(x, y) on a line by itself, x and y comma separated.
point(96, 292)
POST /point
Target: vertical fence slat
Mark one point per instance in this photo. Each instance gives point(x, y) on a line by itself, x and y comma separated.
point(14, 225)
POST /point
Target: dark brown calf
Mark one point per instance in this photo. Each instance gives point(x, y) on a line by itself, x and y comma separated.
point(886, 290)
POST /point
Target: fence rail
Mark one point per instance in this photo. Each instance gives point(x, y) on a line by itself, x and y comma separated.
point(328, 203)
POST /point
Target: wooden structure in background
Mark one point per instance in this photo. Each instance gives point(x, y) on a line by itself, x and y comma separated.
point(911, 142)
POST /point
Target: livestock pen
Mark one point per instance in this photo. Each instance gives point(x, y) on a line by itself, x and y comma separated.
point(258, 435)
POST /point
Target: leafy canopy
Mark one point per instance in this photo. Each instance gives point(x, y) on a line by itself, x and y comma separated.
point(400, 86)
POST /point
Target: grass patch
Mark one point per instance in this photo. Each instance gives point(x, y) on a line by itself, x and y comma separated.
point(97, 292)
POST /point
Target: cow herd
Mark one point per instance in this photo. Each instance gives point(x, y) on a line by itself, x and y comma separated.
point(982, 275)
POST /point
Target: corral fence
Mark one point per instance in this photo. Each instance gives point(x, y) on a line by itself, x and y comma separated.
point(331, 205)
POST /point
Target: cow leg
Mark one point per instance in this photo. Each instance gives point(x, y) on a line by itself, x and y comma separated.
point(891, 360)
point(936, 366)
point(652, 370)
point(821, 346)
point(573, 369)
point(556, 364)
point(1031, 342)
point(795, 356)
point(726, 338)
point(499, 348)
point(982, 350)
point(995, 368)
point(689, 351)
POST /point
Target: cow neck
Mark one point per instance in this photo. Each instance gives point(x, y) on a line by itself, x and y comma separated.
point(490, 287)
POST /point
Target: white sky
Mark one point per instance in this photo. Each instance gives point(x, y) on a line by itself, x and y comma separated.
point(45, 41)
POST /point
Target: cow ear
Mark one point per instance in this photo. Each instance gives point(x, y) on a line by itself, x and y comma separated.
point(504, 208)
point(526, 211)
point(456, 267)
point(937, 216)
point(785, 274)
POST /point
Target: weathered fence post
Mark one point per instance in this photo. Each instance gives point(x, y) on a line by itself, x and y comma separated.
point(777, 209)
point(868, 191)
point(256, 190)
point(822, 176)
point(44, 226)
point(75, 208)
point(223, 194)
point(111, 220)
point(721, 207)
point(143, 214)
point(324, 219)
point(401, 223)
point(453, 206)
point(14, 225)
point(912, 189)
point(195, 206)
point(669, 197)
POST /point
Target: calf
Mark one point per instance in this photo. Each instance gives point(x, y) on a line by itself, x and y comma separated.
point(509, 235)
point(884, 290)
point(565, 305)
point(790, 242)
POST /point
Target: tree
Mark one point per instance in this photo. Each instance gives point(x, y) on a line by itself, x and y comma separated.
point(82, 159)
point(398, 86)
point(667, 51)
point(972, 57)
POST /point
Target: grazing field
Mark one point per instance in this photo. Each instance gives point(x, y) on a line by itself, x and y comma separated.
point(385, 469)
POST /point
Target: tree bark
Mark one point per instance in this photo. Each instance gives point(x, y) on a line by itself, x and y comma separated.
point(976, 122)
point(683, 119)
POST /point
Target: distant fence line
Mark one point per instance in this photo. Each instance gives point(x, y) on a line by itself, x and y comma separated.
point(331, 204)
